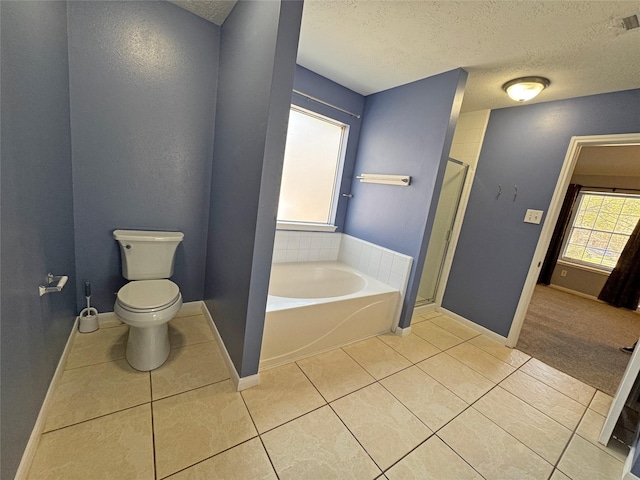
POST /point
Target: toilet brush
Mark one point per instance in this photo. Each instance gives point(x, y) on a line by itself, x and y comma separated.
point(88, 318)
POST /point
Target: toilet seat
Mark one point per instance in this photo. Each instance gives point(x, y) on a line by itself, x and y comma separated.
point(143, 296)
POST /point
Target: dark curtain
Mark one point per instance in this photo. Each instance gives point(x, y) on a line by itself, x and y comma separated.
point(558, 234)
point(622, 289)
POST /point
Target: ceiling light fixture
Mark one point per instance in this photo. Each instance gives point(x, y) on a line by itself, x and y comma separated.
point(525, 88)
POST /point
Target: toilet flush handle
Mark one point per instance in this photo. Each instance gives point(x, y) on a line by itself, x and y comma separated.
point(127, 246)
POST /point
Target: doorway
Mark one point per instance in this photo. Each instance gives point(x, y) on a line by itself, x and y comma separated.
point(448, 203)
point(575, 145)
point(543, 305)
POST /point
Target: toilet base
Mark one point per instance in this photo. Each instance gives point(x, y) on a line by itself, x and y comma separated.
point(148, 347)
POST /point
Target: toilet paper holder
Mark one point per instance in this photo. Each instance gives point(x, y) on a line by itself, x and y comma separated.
point(55, 283)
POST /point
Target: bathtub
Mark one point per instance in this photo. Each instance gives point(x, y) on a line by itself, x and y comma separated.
point(316, 306)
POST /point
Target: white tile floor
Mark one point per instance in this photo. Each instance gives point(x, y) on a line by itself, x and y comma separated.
point(442, 403)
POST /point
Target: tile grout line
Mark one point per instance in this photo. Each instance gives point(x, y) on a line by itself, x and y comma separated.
point(551, 386)
point(358, 441)
point(572, 430)
point(97, 417)
point(190, 389)
point(520, 441)
point(433, 432)
point(470, 405)
point(113, 360)
point(386, 376)
point(153, 430)
point(340, 418)
point(554, 388)
point(268, 456)
point(458, 455)
point(209, 457)
point(575, 433)
point(508, 433)
point(566, 447)
point(473, 338)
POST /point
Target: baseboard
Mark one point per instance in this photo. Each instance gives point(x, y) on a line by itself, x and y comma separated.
point(241, 383)
point(402, 332)
point(190, 308)
point(424, 309)
point(474, 326)
point(574, 292)
point(38, 428)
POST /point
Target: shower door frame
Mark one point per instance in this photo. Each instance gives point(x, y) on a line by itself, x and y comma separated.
point(443, 269)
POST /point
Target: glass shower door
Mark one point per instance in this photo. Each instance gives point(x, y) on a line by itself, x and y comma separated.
point(448, 202)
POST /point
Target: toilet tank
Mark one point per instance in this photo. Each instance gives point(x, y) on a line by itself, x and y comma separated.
point(147, 255)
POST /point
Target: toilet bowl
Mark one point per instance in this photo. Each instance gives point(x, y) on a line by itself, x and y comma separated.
point(150, 299)
point(147, 306)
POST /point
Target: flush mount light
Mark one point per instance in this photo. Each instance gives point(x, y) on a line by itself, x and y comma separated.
point(525, 88)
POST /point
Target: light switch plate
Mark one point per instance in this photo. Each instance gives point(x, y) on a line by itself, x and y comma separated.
point(533, 216)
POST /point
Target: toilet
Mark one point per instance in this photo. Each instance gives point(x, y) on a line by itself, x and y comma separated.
point(150, 299)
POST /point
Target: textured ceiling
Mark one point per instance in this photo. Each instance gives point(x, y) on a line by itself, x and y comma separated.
point(214, 11)
point(370, 46)
point(623, 161)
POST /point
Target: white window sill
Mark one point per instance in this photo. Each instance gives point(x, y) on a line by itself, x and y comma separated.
point(586, 268)
point(306, 227)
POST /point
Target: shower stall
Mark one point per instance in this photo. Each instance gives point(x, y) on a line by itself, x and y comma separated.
point(448, 202)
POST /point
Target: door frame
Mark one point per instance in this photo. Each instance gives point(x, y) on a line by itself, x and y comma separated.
point(570, 160)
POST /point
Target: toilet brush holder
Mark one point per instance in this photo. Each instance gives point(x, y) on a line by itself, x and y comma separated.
point(88, 318)
point(87, 323)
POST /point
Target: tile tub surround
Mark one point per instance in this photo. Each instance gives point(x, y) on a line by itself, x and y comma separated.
point(375, 409)
point(389, 267)
point(385, 265)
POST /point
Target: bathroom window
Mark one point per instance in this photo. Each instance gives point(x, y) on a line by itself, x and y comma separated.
point(312, 171)
point(600, 228)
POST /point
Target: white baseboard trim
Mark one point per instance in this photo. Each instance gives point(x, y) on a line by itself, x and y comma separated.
point(245, 383)
point(424, 309)
point(402, 332)
point(38, 428)
point(241, 383)
point(190, 308)
point(574, 292)
point(474, 326)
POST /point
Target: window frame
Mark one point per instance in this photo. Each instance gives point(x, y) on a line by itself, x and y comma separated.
point(330, 225)
point(571, 225)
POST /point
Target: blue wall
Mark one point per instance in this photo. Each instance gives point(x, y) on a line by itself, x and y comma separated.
point(405, 130)
point(317, 86)
point(143, 87)
point(37, 213)
point(258, 49)
point(524, 146)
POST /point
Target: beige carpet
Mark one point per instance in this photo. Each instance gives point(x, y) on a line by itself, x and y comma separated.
point(579, 336)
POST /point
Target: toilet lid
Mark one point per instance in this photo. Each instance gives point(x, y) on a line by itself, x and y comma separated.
point(147, 294)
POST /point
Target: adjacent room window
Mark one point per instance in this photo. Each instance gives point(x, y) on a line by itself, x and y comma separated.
point(601, 226)
point(313, 160)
